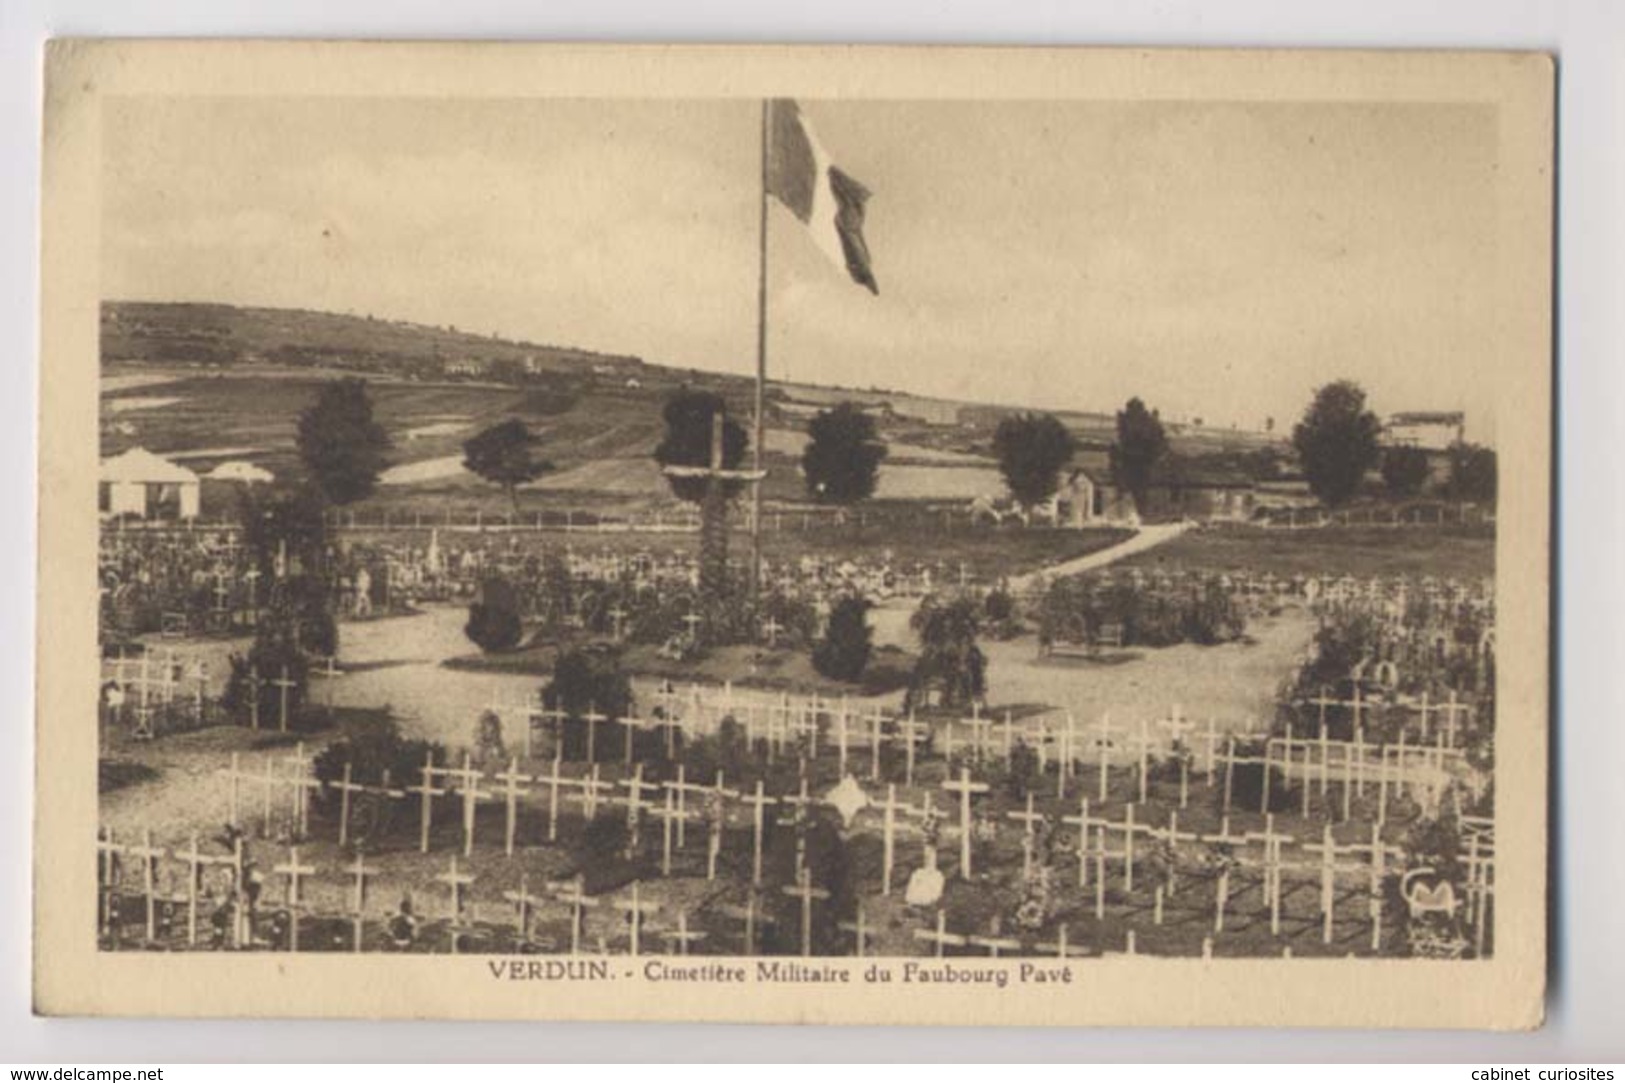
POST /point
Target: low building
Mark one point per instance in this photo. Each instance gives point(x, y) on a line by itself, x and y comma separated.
point(1179, 490)
point(465, 366)
point(1434, 430)
point(1090, 496)
point(1435, 433)
point(146, 485)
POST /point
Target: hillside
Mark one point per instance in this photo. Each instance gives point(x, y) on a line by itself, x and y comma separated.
point(207, 382)
point(226, 334)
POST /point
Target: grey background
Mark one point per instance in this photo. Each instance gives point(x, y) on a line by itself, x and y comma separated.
point(1587, 945)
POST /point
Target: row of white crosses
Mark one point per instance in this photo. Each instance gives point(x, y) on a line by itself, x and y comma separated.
point(682, 802)
point(1370, 869)
point(152, 681)
point(1436, 720)
point(858, 739)
point(163, 682)
point(1393, 770)
point(784, 724)
point(283, 684)
point(283, 782)
point(111, 851)
point(1094, 849)
point(293, 872)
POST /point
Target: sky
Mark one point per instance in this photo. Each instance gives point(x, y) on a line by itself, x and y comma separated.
point(1219, 260)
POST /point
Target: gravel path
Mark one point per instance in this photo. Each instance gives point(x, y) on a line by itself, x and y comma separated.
point(1147, 538)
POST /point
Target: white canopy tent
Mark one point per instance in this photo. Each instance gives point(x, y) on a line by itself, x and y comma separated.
point(141, 483)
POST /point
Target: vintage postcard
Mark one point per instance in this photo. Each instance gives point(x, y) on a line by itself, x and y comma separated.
point(885, 535)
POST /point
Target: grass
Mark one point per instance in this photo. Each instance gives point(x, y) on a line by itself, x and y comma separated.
point(906, 537)
point(1454, 552)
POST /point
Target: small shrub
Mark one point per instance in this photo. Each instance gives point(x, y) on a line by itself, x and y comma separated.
point(493, 619)
point(372, 753)
point(587, 679)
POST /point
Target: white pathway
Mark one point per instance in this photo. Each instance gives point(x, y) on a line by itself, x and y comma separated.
point(1148, 537)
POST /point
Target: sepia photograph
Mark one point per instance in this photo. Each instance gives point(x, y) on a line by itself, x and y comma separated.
point(807, 539)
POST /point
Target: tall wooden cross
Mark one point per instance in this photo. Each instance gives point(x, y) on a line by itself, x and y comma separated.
point(715, 476)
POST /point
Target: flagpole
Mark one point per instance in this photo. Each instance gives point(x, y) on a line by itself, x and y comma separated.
point(761, 375)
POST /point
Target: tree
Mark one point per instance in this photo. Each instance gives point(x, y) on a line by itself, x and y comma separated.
point(841, 463)
point(843, 653)
point(282, 529)
point(1032, 448)
point(505, 454)
point(340, 444)
point(1473, 473)
point(1336, 442)
point(587, 679)
point(1140, 445)
point(284, 535)
point(1404, 471)
point(687, 442)
point(949, 658)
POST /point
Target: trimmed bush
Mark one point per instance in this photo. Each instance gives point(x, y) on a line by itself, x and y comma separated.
point(844, 651)
point(493, 619)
